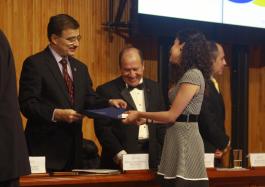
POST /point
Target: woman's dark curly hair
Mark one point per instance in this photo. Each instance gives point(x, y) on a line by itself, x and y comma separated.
point(195, 54)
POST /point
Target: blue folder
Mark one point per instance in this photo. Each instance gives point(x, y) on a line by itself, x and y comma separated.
point(109, 112)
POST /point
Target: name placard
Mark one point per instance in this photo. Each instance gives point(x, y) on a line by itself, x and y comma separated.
point(37, 164)
point(257, 159)
point(209, 160)
point(135, 162)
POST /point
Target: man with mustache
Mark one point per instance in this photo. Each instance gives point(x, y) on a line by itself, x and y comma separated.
point(54, 87)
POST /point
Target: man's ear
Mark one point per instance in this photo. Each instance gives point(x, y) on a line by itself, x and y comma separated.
point(54, 39)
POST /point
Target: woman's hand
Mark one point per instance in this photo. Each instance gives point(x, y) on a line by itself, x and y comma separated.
point(133, 118)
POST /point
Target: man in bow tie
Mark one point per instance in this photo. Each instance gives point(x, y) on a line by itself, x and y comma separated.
point(140, 94)
point(54, 88)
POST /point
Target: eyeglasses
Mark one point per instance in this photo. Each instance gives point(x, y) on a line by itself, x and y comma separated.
point(73, 39)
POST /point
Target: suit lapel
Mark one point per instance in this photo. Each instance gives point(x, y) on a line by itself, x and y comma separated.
point(214, 88)
point(125, 94)
point(54, 68)
point(217, 95)
point(147, 95)
point(128, 98)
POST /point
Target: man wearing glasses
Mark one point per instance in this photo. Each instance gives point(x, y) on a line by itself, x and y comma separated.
point(54, 87)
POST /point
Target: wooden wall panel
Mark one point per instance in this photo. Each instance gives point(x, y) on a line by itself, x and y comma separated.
point(257, 110)
point(224, 83)
point(25, 24)
point(256, 98)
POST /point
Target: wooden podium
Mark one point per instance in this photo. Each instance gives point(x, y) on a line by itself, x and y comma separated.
point(224, 178)
point(131, 179)
point(237, 178)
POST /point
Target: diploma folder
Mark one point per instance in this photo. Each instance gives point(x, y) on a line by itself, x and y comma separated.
point(109, 112)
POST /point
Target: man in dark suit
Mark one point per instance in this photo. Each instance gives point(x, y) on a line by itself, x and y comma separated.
point(14, 161)
point(212, 116)
point(54, 87)
point(140, 94)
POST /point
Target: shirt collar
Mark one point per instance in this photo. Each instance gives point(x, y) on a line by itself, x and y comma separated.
point(57, 57)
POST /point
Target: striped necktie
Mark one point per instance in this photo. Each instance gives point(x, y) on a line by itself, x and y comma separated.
point(68, 81)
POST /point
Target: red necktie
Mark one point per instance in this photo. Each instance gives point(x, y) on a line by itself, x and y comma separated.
point(68, 81)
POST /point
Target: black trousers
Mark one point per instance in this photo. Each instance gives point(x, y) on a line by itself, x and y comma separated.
point(10, 183)
point(143, 146)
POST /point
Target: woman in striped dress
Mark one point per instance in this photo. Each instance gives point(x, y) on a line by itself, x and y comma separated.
point(182, 160)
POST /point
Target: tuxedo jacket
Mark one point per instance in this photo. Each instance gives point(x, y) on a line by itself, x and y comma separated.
point(115, 136)
point(14, 161)
point(42, 89)
point(211, 120)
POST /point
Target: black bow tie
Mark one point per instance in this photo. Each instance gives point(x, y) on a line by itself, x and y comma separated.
point(139, 86)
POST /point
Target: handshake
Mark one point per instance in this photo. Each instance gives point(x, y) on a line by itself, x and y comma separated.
point(127, 117)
